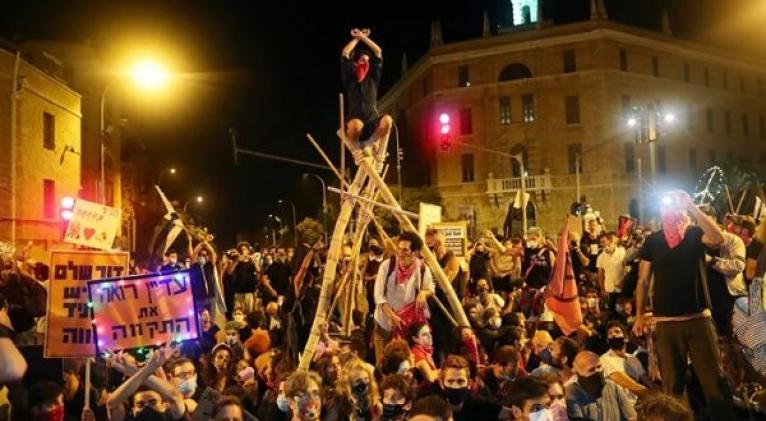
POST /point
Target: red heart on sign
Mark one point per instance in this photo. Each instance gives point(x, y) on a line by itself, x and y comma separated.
point(89, 233)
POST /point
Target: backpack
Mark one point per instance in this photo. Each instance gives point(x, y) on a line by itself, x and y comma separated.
point(392, 267)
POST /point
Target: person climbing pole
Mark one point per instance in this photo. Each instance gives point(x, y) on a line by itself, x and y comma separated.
point(367, 131)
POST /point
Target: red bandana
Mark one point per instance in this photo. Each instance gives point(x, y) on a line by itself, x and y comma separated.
point(403, 274)
point(673, 226)
point(361, 71)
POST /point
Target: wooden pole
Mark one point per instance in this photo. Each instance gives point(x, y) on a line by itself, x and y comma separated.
point(728, 196)
point(741, 199)
point(342, 145)
point(331, 266)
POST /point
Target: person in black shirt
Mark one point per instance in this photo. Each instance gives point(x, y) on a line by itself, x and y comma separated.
point(536, 267)
point(683, 325)
point(171, 262)
point(278, 274)
point(360, 75)
point(242, 269)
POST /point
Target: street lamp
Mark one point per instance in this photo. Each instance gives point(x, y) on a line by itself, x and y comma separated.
point(147, 74)
point(171, 171)
point(324, 189)
point(295, 224)
point(278, 220)
point(199, 199)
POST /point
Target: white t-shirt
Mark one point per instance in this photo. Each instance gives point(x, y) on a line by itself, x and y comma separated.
point(398, 295)
point(614, 270)
point(611, 362)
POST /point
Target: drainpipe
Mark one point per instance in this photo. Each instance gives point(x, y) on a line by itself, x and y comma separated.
point(14, 95)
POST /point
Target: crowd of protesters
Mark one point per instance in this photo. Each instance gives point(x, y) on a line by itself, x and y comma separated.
point(403, 356)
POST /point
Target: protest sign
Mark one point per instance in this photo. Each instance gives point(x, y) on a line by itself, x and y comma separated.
point(93, 225)
point(143, 310)
point(69, 330)
point(454, 235)
point(429, 215)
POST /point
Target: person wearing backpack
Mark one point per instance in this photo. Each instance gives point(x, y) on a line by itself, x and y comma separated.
point(402, 288)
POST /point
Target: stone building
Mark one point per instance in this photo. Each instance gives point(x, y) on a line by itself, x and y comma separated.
point(562, 95)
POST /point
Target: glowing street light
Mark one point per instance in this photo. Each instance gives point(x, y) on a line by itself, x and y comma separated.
point(632, 121)
point(669, 117)
point(149, 74)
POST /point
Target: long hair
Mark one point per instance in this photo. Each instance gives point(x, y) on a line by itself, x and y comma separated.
point(344, 381)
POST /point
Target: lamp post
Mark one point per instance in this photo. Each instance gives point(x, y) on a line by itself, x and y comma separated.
point(148, 74)
point(295, 224)
point(273, 229)
point(519, 157)
point(324, 189)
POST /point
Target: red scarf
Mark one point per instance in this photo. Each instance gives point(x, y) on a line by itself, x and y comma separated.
point(361, 71)
point(424, 352)
point(673, 226)
point(403, 274)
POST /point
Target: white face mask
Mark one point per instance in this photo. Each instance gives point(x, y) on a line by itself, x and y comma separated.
point(533, 244)
point(541, 415)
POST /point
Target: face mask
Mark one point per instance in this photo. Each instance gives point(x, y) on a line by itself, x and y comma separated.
point(497, 322)
point(202, 260)
point(282, 403)
point(376, 250)
point(541, 415)
point(232, 339)
point(592, 302)
point(391, 411)
point(149, 414)
point(187, 387)
point(455, 397)
point(616, 343)
point(361, 71)
point(533, 244)
point(508, 377)
point(592, 384)
point(360, 389)
point(546, 356)
point(55, 414)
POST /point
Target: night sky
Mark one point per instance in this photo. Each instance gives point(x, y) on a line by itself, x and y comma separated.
point(270, 69)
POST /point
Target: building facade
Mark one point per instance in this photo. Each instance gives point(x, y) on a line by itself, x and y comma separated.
point(562, 96)
point(40, 136)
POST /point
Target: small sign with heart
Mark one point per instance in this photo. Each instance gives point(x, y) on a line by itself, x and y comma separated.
point(93, 225)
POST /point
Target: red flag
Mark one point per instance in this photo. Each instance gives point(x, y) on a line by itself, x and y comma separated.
point(625, 225)
point(561, 294)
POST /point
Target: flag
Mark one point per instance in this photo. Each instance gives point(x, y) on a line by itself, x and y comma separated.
point(625, 225)
point(168, 231)
point(561, 294)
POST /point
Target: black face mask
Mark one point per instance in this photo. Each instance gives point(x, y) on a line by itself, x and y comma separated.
point(150, 414)
point(593, 384)
point(376, 250)
point(360, 389)
point(616, 344)
point(455, 397)
point(392, 411)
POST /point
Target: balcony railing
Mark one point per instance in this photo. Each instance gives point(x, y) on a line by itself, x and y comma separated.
point(511, 185)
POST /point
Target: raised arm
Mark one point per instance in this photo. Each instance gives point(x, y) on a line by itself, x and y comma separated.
point(365, 38)
point(346, 52)
point(712, 236)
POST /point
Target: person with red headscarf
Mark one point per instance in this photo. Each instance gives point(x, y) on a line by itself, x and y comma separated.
point(367, 131)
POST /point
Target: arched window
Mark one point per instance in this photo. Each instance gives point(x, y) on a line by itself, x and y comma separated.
point(515, 71)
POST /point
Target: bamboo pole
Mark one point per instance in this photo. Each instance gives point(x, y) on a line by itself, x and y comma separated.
point(428, 256)
point(342, 145)
point(331, 266)
point(741, 199)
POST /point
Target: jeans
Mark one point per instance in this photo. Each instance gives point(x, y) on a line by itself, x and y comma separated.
point(695, 338)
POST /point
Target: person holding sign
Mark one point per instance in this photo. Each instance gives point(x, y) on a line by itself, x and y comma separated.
point(160, 402)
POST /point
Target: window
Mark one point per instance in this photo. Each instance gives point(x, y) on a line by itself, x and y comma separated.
point(630, 158)
point(49, 199)
point(572, 105)
point(762, 125)
point(528, 107)
point(742, 84)
point(692, 159)
point(655, 66)
point(505, 110)
point(466, 161)
point(709, 115)
point(514, 71)
point(713, 157)
point(463, 77)
point(466, 123)
point(623, 60)
point(570, 61)
point(745, 125)
point(573, 151)
point(49, 131)
point(626, 111)
point(725, 80)
point(707, 77)
point(689, 117)
point(661, 160)
point(727, 121)
point(687, 73)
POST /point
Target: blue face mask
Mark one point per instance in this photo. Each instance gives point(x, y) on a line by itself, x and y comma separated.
point(282, 403)
point(545, 356)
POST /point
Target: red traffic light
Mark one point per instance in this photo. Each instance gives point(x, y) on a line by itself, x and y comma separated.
point(444, 118)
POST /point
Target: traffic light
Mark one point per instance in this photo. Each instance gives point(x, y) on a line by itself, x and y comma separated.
point(445, 138)
point(65, 212)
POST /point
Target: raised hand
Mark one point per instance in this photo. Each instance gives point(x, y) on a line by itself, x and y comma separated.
point(366, 32)
point(356, 33)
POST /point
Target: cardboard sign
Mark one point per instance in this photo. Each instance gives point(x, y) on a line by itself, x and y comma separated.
point(143, 310)
point(429, 215)
point(93, 225)
point(454, 235)
point(69, 330)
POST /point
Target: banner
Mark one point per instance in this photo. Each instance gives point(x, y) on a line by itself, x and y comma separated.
point(429, 215)
point(143, 310)
point(454, 235)
point(69, 332)
point(93, 225)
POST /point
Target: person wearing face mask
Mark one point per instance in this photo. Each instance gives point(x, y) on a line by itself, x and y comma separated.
point(184, 377)
point(203, 269)
point(454, 386)
point(478, 266)
point(46, 402)
point(278, 277)
point(160, 401)
point(621, 367)
point(170, 263)
point(505, 368)
point(594, 398)
point(558, 359)
point(558, 406)
point(216, 372)
point(536, 268)
point(358, 391)
point(529, 400)
point(486, 298)
point(590, 245)
point(303, 391)
point(421, 344)
point(398, 395)
point(360, 75)
point(611, 269)
point(232, 339)
point(372, 262)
